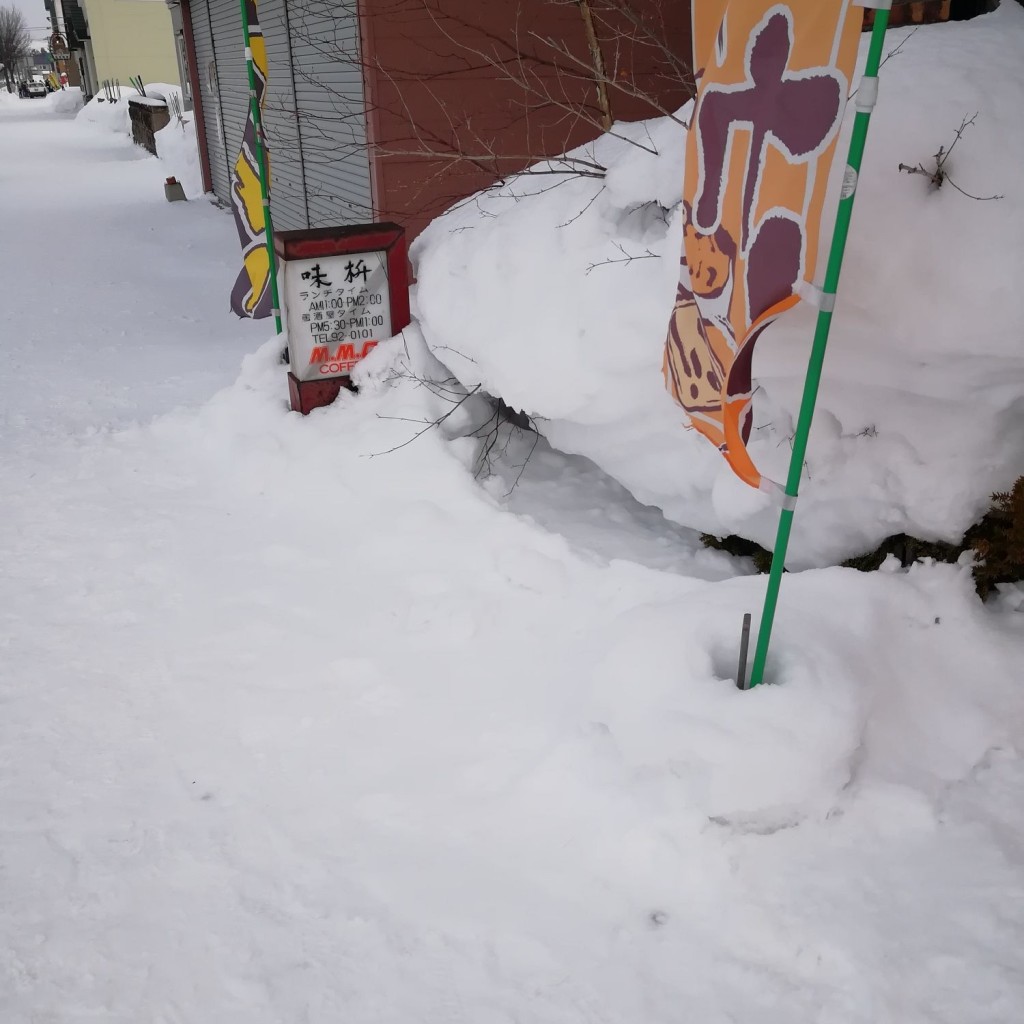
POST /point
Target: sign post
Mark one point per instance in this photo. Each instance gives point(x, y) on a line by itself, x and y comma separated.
point(345, 290)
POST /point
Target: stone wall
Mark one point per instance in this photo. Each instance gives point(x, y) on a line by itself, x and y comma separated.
point(148, 117)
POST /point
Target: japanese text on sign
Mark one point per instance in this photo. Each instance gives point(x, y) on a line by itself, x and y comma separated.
point(339, 308)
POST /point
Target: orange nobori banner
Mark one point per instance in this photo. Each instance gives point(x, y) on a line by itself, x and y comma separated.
point(707, 16)
point(773, 79)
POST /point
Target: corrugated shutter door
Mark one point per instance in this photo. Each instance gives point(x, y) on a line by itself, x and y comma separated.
point(231, 81)
point(315, 115)
point(331, 108)
point(281, 126)
point(206, 71)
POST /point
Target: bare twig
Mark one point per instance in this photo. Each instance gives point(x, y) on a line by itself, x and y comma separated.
point(433, 423)
point(939, 175)
point(980, 199)
point(550, 79)
point(966, 123)
point(597, 61)
point(627, 258)
point(894, 52)
point(576, 216)
point(495, 434)
point(898, 49)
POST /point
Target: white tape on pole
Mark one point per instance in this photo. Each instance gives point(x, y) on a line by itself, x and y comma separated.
point(778, 493)
point(867, 94)
point(814, 296)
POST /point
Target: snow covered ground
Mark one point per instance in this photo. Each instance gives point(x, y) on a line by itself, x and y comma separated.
point(107, 319)
point(65, 101)
point(299, 722)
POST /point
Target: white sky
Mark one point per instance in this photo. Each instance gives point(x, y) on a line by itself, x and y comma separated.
point(35, 15)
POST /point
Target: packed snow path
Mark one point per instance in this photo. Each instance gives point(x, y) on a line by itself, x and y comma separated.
point(106, 318)
point(289, 733)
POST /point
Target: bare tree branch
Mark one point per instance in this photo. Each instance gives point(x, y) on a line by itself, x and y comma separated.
point(559, 88)
point(432, 424)
point(940, 175)
point(597, 64)
point(626, 258)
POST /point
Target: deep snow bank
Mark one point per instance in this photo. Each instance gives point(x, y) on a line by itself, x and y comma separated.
point(110, 115)
point(114, 116)
point(65, 101)
point(178, 150)
point(922, 407)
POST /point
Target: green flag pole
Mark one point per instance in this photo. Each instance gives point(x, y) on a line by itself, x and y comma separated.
point(261, 162)
point(866, 95)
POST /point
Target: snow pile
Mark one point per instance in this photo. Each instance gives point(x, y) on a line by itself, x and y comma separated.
point(111, 116)
point(528, 291)
point(158, 91)
point(178, 150)
point(65, 101)
point(115, 117)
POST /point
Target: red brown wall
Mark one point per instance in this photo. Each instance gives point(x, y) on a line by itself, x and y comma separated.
point(445, 121)
point(922, 12)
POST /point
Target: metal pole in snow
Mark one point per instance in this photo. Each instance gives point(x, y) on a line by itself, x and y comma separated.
point(261, 163)
point(866, 95)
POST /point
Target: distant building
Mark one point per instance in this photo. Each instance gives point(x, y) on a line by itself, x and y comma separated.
point(116, 39)
point(67, 19)
point(37, 62)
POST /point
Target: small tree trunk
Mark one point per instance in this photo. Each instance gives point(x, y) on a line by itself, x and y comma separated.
point(597, 59)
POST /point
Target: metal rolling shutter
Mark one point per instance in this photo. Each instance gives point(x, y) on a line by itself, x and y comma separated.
point(281, 126)
point(315, 115)
point(206, 72)
point(331, 107)
point(231, 84)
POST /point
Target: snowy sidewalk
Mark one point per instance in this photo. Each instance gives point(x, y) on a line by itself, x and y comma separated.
point(293, 733)
point(112, 305)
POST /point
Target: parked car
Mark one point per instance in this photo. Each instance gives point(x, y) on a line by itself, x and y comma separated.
point(32, 89)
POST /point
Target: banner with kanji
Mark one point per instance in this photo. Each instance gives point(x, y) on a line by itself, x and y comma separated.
point(251, 295)
point(706, 17)
point(772, 84)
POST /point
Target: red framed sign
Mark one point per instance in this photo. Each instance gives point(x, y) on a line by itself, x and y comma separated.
point(344, 290)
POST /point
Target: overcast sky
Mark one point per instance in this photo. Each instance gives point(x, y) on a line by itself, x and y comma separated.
point(35, 15)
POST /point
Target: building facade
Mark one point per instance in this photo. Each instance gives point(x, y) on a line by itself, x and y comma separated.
point(395, 109)
point(113, 40)
point(131, 37)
